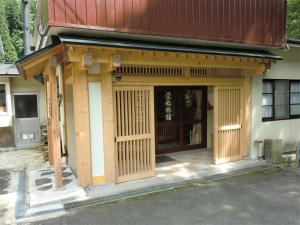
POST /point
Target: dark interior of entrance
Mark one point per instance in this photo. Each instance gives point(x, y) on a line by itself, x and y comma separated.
point(180, 118)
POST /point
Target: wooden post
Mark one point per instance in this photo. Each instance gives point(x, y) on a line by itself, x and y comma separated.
point(55, 131)
point(215, 123)
point(48, 111)
point(108, 122)
point(82, 125)
point(247, 114)
point(49, 127)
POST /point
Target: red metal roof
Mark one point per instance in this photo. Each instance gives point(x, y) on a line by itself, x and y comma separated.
point(255, 22)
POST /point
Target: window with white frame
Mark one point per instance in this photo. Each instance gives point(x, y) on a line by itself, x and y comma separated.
point(3, 103)
point(280, 99)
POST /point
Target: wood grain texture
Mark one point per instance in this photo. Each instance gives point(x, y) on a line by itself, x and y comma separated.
point(134, 132)
point(55, 131)
point(82, 125)
point(228, 133)
point(108, 122)
point(48, 108)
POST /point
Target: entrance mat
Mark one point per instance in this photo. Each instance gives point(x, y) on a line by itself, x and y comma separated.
point(163, 159)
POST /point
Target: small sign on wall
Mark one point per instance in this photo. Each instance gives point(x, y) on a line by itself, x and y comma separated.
point(27, 136)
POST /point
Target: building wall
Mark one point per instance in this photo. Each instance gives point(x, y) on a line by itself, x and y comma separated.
point(19, 85)
point(71, 144)
point(96, 131)
point(6, 131)
point(287, 130)
point(6, 118)
point(227, 21)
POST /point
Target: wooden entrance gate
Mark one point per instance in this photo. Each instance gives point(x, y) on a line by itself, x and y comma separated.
point(134, 132)
point(227, 124)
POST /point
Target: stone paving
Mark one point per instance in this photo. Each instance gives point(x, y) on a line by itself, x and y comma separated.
point(11, 162)
point(42, 190)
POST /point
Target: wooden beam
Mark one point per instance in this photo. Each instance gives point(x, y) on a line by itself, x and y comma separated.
point(55, 136)
point(98, 57)
point(179, 81)
point(82, 125)
point(108, 122)
point(134, 57)
point(37, 64)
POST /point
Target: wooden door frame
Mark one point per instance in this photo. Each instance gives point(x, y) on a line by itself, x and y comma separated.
point(204, 125)
point(240, 145)
point(135, 169)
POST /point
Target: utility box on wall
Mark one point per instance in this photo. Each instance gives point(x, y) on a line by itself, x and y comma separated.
point(273, 150)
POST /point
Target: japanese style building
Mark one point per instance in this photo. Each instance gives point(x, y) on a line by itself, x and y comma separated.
point(130, 79)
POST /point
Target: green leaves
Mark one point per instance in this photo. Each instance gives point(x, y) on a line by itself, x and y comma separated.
point(293, 19)
point(11, 28)
point(10, 53)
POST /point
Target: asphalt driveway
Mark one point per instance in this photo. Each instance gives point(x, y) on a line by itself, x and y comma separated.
point(270, 197)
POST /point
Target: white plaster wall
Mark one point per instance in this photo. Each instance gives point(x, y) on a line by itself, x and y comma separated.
point(287, 130)
point(20, 85)
point(6, 118)
point(96, 128)
point(70, 128)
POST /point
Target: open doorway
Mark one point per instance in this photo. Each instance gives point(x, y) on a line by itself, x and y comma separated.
point(180, 118)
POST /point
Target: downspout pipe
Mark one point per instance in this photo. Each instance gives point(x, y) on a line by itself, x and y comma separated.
point(26, 28)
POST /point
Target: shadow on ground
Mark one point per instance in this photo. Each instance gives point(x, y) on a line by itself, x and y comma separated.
point(270, 197)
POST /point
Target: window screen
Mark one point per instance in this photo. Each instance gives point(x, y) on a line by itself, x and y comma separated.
point(295, 98)
point(26, 106)
point(2, 98)
point(281, 99)
point(267, 101)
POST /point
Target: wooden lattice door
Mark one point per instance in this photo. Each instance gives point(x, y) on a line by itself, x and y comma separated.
point(134, 132)
point(227, 124)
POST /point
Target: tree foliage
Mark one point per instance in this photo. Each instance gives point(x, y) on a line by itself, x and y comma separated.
point(10, 53)
point(11, 28)
point(293, 19)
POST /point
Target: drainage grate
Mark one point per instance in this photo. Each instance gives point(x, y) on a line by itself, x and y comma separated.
point(159, 188)
point(118, 196)
point(21, 209)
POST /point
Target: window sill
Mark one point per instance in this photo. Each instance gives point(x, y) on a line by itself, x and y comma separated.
point(291, 118)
